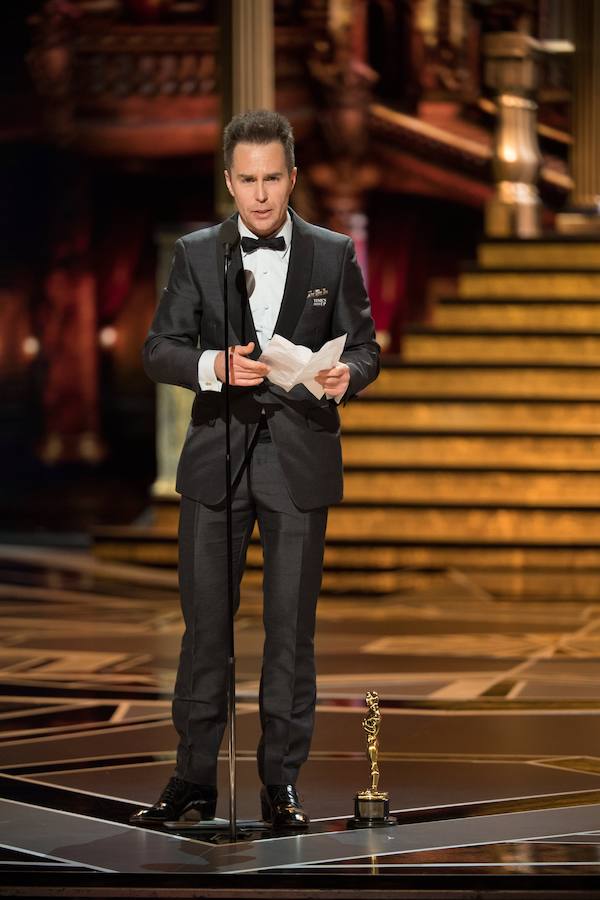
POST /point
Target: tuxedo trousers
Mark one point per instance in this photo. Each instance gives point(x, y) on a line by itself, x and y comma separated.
point(293, 544)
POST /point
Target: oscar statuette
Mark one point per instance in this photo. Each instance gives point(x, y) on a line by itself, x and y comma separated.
point(372, 807)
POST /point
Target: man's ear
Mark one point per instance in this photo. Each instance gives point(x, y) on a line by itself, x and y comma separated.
point(293, 176)
point(228, 181)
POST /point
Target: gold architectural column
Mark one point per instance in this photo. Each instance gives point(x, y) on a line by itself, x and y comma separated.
point(247, 71)
point(511, 70)
point(585, 152)
point(252, 60)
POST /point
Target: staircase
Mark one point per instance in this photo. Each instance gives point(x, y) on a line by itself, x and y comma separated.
point(479, 452)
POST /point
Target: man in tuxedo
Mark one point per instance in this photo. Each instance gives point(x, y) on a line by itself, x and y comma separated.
point(303, 282)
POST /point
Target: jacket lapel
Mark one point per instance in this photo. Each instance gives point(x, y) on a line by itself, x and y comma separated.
point(298, 279)
point(240, 316)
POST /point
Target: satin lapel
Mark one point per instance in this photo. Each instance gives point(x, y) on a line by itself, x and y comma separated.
point(298, 279)
point(240, 317)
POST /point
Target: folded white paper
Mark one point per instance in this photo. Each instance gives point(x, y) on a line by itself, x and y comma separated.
point(293, 364)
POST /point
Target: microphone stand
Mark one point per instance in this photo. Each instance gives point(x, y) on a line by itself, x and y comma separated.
point(230, 591)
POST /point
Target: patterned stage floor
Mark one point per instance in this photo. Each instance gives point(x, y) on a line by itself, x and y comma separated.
point(490, 739)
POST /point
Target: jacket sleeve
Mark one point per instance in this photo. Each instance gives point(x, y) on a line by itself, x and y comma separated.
point(352, 316)
point(171, 350)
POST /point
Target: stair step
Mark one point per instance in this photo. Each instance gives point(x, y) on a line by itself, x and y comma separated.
point(533, 285)
point(527, 489)
point(529, 316)
point(494, 525)
point(470, 558)
point(473, 451)
point(542, 586)
point(397, 569)
point(535, 382)
point(508, 349)
point(513, 581)
point(154, 547)
point(539, 255)
point(526, 417)
point(414, 524)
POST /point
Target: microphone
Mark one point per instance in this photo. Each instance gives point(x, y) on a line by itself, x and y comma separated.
point(228, 236)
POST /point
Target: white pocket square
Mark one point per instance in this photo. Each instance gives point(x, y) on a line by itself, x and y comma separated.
point(318, 296)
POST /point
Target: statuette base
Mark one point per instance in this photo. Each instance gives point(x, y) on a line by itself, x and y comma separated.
point(371, 810)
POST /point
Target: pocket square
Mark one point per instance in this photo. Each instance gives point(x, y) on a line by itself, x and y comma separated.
point(318, 296)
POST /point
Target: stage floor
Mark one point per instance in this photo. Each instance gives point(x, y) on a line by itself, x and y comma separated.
point(490, 742)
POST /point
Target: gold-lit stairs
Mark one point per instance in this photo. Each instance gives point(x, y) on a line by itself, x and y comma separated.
point(478, 453)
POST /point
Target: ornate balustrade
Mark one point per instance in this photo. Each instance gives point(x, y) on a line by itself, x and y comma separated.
point(126, 89)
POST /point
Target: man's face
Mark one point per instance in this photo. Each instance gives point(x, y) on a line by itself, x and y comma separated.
point(261, 185)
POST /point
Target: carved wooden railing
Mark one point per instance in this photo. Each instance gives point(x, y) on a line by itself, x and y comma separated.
point(114, 85)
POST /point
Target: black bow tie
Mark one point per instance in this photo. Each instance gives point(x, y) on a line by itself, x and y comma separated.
point(249, 245)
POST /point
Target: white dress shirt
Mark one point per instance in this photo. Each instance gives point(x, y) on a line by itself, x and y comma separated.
point(266, 273)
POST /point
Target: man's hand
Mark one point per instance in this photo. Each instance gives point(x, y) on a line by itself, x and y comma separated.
point(243, 372)
point(334, 381)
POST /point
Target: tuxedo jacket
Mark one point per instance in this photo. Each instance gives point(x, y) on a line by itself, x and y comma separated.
point(324, 297)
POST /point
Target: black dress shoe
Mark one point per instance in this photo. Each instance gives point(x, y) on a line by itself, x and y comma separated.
point(179, 797)
point(281, 807)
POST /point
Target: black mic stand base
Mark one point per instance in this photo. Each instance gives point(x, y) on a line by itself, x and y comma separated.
point(219, 831)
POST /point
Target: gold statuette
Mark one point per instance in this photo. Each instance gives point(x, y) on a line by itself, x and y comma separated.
point(372, 807)
point(371, 726)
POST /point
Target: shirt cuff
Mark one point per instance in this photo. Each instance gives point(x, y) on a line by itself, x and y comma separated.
point(207, 379)
point(337, 399)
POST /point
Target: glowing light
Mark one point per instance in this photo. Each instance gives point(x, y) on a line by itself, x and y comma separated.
point(31, 346)
point(107, 337)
